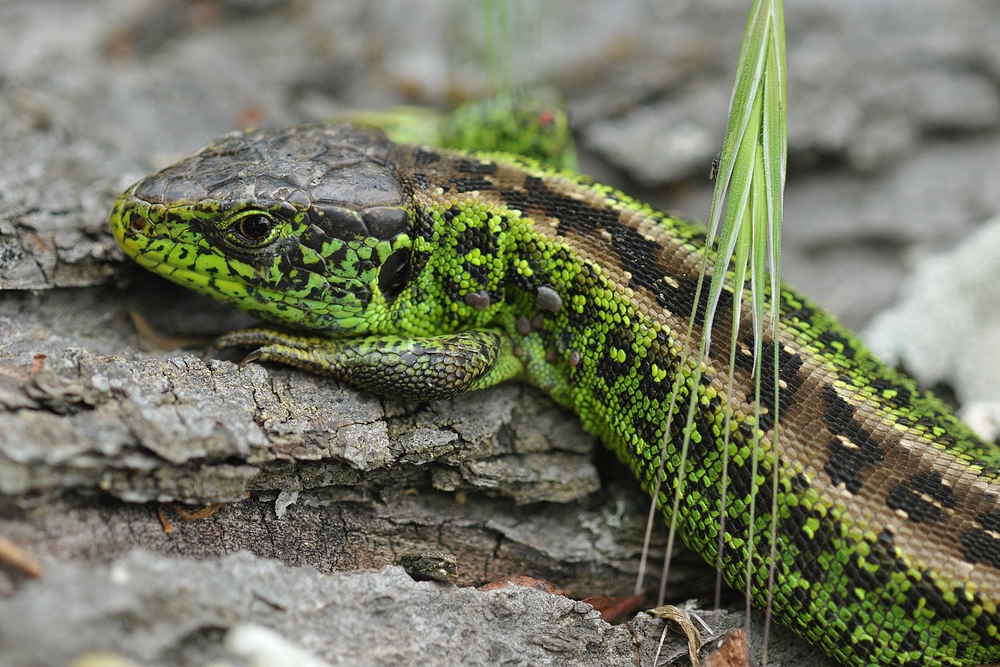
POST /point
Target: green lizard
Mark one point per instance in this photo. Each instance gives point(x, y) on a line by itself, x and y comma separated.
point(423, 273)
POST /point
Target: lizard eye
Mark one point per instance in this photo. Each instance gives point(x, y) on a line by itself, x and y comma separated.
point(252, 230)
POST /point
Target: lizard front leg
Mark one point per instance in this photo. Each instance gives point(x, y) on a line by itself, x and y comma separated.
point(419, 368)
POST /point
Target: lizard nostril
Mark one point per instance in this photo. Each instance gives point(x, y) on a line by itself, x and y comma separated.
point(137, 223)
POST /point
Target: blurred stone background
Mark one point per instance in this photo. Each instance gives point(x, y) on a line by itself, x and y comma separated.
point(894, 156)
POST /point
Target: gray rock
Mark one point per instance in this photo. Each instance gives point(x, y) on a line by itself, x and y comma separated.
point(242, 610)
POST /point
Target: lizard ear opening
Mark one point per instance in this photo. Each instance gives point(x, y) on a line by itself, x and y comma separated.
point(394, 272)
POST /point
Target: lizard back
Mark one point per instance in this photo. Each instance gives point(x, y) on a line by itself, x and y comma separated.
point(889, 506)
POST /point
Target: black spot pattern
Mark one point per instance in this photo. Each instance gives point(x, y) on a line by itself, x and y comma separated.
point(423, 157)
point(658, 390)
point(576, 215)
point(893, 393)
point(611, 369)
point(847, 461)
point(423, 223)
point(450, 214)
point(802, 313)
point(475, 167)
point(837, 344)
point(420, 181)
point(883, 559)
point(679, 299)
point(789, 365)
point(474, 175)
point(481, 237)
point(982, 544)
point(515, 199)
point(820, 541)
point(470, 184)
point(799, 482)
point(910, 497)
point(650, 431)
point(639, 257)
point(702, 447)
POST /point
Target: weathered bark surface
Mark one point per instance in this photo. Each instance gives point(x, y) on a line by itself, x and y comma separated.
point(312, 473)
point(895, 116)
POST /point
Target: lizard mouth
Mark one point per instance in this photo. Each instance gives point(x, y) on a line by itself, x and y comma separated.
point(128, 228)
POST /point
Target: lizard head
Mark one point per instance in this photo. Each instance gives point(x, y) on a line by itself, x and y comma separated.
point(307, 228)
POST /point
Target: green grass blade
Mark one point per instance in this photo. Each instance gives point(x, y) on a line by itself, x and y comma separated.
point(745, 221)
point(495, 23)
point(775, 148)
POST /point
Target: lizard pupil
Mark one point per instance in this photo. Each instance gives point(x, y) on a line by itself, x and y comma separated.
point(254, 228)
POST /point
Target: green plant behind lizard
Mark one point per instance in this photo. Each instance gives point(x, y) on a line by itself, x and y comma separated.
point(528, 121)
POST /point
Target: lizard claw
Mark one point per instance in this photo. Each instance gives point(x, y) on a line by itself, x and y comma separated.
point(253, 356)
